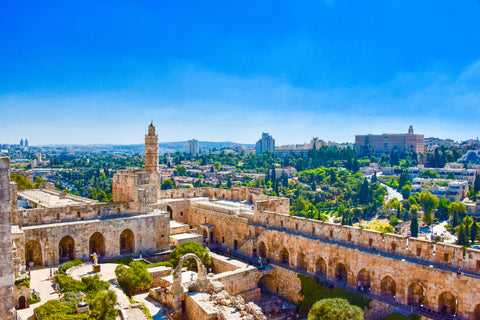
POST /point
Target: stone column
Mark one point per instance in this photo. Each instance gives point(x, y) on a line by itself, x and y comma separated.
point(7, 279)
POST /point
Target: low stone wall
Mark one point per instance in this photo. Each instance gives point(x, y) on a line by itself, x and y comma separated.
point(157, 274)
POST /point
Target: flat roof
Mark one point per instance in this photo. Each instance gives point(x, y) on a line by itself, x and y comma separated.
point(52, 198)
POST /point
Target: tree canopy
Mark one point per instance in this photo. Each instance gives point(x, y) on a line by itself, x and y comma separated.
point(335, 309)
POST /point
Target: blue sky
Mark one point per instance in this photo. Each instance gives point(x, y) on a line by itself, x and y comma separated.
point(99, 71)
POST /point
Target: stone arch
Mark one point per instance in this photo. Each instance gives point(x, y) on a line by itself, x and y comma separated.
point(97, 244)
point(284, 256)
point(320, 267)
point(388, 287)
point(127, 241)
point(341, 273)
point(476, 313)
point(66, 249)
point(202, 280)
point(416, 294)
point(170, 211)
point(363, 278)
point(447, 303)
point(33, 252)
point(301, 263)
point(262, 249)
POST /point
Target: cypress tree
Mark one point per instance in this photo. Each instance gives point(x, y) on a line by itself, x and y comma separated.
point(462, 236)
point(473, 232)
point(414, 227)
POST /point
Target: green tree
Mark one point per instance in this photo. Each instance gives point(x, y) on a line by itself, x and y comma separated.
point(414, 227)
point(180, 171)
point(335, 309)
point(22, 182)
point(473, 232)
point(428, 202)
point(191, 247)
point(167, 184)
point(217, 165)
point(462, 236)
point(103, 305)
point(442, 212)
point(476, 184)
point(429, 174)
point(406, 191)
point(133, 278)
point(402, 180)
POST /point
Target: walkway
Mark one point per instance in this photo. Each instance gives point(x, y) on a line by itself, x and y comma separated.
point(107, 273)
point(39, 281)
point(156, 309)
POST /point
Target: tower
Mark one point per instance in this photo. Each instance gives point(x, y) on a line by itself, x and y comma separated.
point(410, 129)
point(7, 303)
point(151, 149)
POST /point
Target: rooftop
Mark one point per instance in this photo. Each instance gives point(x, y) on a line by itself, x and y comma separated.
point(51, 198)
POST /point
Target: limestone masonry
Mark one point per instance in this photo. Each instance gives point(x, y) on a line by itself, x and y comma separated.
point(242, 220)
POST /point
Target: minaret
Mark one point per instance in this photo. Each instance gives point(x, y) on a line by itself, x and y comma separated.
point(151, 149)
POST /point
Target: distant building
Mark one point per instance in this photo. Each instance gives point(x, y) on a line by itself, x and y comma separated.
point(21, 142)
point(266, 143)
point(193, 147)
point(386, 142)
point(300, 150)
point(471, 156)
point(26, 142)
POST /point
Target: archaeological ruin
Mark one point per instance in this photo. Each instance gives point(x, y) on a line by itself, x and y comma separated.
point(409, 273)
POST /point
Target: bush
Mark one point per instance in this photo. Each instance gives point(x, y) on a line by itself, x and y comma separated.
point(23, 282)
point(57, 310)
point(133, 278)
point(102, 306)
point(335, 309)
point(160, 264)
point(69, 264)
point(191, 247)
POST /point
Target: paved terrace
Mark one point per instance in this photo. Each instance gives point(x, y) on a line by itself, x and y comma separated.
point(51, 199)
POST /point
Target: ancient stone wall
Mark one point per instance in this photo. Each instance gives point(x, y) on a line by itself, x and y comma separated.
point(229, 230)
point(403, 246)
point(13, 203)
point(411, 282)
point(240, 281)
point(37, 216)
point(7, 302)
point(150, 234)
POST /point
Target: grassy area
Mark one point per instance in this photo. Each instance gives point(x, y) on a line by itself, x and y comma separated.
point(381, 225)
point(397, 316)
point(313, 291)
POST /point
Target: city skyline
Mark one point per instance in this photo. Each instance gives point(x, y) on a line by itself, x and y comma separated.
point(92, 73)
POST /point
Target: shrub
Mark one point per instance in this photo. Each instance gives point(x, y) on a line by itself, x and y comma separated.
point(335, 309)
point(103, 305)
point(57, 310)
point(133, 278)
point(191, 247)
point(69, 264)
point(160, 264)
point(23, 282)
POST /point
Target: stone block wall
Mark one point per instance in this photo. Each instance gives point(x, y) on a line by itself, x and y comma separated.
point(7, 299)
point(151, 234)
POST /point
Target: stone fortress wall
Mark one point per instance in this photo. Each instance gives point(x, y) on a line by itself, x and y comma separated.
point(7, 302)
point(410, 270)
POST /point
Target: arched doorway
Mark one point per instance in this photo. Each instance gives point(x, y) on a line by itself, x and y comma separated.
point(97, 244)
point(388, 287)
point(341, 273)
point(363, 280)
point(127, 241)
point(22, 302)
point(284, 257)
point(170, 212)
point(476, 313)
point(321, 267)
point(262, 249)
point(447, 303)
point(33, 253)
point(416, 294)
point(66, 249)
point(177, 287)
point(301, 264)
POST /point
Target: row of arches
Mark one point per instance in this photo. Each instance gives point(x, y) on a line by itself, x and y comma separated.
point(67, 247)
point(416, 292)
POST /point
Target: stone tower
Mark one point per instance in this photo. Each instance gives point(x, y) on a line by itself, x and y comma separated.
point(7, 300)
point(410, 129)
point(151, 149)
